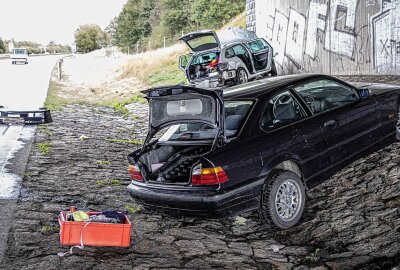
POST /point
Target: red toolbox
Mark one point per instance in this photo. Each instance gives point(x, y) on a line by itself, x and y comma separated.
point(93, 233)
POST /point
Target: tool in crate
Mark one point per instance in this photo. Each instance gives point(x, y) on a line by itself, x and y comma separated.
point(105, 229)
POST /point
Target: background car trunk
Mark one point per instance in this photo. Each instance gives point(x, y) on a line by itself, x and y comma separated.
point(171, 164)
point(201, 71)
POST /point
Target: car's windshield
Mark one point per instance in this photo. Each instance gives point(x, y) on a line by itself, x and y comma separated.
point(235, 114)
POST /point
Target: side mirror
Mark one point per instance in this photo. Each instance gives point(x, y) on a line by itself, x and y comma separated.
point(364, 93)
point(183, 61)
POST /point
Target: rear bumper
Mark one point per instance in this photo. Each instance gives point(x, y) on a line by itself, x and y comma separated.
point(199, 203)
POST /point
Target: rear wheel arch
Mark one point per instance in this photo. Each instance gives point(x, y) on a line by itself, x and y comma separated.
point(290, 165)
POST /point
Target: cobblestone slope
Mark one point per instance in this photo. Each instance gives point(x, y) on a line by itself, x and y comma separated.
point(351, 221)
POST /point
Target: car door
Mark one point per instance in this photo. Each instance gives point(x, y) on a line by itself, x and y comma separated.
point(348, 125)
point(292, 134)
point(261, 54)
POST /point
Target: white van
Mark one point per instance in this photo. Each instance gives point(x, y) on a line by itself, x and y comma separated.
point(19, 55)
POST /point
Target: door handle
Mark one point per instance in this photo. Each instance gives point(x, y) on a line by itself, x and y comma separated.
point(330, 124)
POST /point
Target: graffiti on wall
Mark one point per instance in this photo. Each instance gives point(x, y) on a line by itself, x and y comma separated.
point(338, 29)
point(386, 37)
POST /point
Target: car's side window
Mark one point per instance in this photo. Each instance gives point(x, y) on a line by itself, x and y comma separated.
point(281, 110)
point(324, 95)
point(239, 50)
point(229, 53)
point(258, 45)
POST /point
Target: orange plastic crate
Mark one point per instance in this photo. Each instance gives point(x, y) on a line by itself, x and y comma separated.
point(94, 234)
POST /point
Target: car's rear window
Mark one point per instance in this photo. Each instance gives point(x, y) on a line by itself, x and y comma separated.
point(203, 43)
point(19, 51)
point(235, 113)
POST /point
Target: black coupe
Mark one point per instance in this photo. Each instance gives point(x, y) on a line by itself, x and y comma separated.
point(256, 146)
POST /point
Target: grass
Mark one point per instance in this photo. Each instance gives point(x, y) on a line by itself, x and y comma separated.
point(103, 162)
point(45, 130)
point(110, 182)
point(133, 209)
point(126, 141)
point(160, 67)
point(53, 101)
point(44, 147)
point(314, 256)
point(48, 229)
point(119, 105)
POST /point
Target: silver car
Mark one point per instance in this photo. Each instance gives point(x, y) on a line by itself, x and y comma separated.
point(233, 56)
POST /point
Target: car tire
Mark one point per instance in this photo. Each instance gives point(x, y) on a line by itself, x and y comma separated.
point(274, 71)
point(286, 186)
point(241, 76)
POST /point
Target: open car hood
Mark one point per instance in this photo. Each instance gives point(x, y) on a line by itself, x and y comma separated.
point(184, 104)
point(201, 40)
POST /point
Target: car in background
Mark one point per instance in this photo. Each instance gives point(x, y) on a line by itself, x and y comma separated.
point(259, 146)
point(233, 56)
point(19, 55)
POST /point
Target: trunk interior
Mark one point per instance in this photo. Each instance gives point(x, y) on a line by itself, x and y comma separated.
point(171, 164)
point(202, 65)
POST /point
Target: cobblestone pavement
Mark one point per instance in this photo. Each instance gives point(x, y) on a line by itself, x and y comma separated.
point(351, 220)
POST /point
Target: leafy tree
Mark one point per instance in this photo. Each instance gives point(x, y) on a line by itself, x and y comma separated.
point(52, 48)
point(2, 46)
point(215, 13)
point(133, 23)
point(89, 37)
point(175, 16)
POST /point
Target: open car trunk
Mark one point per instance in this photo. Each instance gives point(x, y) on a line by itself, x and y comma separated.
point(171, 164)
point(194, 119)
point(203, 66)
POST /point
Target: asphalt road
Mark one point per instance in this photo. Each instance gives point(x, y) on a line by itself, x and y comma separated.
point(22, 87)
point(25, 86)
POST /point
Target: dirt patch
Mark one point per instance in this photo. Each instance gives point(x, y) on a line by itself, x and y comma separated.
point(96, 78)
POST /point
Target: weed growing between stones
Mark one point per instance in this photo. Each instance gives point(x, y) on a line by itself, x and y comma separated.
point(49, 229)
point(313, 257)
point(133, 208)
point(126, 141)
point(44, 147)
point(53, 101)
point(103, 162)
point(45, 130)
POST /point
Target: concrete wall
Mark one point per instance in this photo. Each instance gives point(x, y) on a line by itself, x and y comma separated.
point(330, 36)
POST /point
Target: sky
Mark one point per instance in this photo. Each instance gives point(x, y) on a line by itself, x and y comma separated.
point(43, 21)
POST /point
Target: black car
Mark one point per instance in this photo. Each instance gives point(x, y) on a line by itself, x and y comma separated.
point(256, 146)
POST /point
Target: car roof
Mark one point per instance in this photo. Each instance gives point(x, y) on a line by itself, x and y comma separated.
point(260, 87)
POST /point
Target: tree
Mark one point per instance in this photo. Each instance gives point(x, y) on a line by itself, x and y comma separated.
point(89, 37)
point(133, 23)
point(2, 46)
point(215, 13)
point(175, 15)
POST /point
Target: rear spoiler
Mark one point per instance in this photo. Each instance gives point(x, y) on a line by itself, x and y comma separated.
point(41, 116)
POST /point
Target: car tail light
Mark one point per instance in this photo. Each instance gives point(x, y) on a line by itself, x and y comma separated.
point(208, 176)
point(214, 63)
point(223, 66)
point(135, 173)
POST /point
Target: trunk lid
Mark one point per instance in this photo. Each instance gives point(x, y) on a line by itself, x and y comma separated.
point(201, 40)
point(183, 104)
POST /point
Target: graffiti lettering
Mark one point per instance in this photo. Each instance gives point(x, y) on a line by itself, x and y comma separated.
point(279, 36)
point(295, 37)
point(316, 23)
